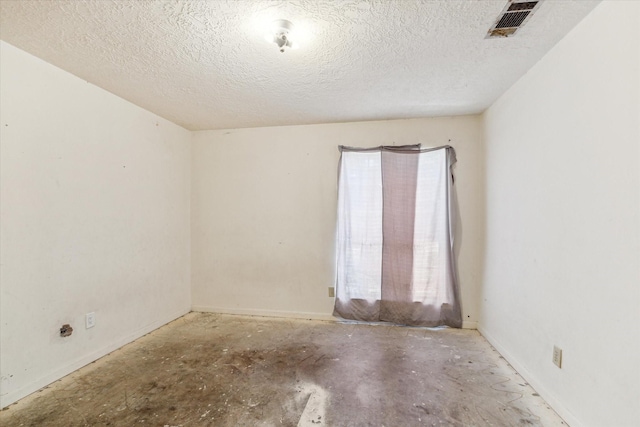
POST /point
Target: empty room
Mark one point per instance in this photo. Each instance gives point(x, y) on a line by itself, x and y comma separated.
point(320, 212)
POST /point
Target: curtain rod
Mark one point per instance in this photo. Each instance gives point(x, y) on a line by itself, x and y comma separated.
point(396, 148)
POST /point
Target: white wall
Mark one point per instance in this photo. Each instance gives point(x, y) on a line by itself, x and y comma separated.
point(563, 221)
point(95, 217)
point(264, 206)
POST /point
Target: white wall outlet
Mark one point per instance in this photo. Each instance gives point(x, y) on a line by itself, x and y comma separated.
point(557, 356)
point(90, 320)
point(332, 292)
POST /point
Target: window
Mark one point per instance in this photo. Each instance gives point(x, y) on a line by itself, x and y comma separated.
point(394, 236)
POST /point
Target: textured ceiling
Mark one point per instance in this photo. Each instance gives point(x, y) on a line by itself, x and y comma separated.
point(206, 65)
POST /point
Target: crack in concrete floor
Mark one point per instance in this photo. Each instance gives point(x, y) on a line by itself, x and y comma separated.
point(222, 370)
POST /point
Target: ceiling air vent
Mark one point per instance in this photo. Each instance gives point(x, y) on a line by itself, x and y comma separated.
point(514, 15)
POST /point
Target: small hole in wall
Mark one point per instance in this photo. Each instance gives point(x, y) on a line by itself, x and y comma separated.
point(66, 330)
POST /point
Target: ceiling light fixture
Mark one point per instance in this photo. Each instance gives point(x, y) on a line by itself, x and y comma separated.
point(281, 34)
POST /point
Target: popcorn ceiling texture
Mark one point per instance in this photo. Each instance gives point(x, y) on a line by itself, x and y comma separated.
point(206, 65)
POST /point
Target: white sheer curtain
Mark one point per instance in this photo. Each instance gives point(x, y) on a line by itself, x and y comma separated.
point(395, 236)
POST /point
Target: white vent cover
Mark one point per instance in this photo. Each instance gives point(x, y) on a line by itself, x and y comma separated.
point(514, 15)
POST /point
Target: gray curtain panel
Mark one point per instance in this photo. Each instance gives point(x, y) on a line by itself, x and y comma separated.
point(395, 259)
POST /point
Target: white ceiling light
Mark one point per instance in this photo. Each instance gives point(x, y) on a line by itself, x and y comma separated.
point(281, 30)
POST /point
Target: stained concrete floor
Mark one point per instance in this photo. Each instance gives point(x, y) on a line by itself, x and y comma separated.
point(222, 370)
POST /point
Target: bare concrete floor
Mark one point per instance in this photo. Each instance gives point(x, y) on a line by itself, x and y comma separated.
point(221, 370)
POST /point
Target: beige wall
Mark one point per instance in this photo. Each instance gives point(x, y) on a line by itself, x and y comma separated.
point(264, 206)
point(95, 218)
point(563, 221)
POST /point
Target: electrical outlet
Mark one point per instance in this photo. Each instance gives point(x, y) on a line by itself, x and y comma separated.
point(90, 320)
point(332, 291)
point(557, 356)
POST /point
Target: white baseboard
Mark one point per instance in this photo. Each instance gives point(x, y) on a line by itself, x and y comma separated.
point(469, 324)
point(15, 395)
point(265, 313)
point(549, 397)
point(288, 314)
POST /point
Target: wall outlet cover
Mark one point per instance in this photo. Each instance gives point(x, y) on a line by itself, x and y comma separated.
point(557, 356)
point(90, 320)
